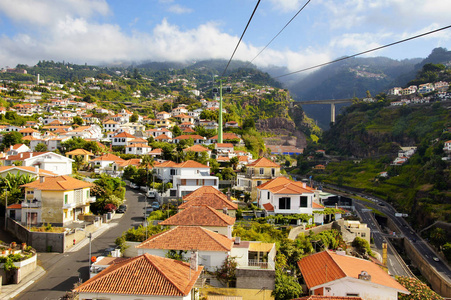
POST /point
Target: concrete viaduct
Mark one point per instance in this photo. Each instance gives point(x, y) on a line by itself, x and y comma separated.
point(332, 103)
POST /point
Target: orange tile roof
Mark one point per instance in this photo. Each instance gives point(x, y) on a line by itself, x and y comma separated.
point(124, 134)
point(190, 164)
point(58, 183)
point(167, 163)
point(226, 136)
point(108, 157)
point(222, 159)
point(224, 145)
point(208, 195)
point(189, 136)
point(341, 266)
point(268, 207)
point(29, 138)
point(144, 275)
point(283, 185)
point(131, 162)
point(199, 216)
point(317, 205)
point(188, 130)
point(157, 151)
point(30, 169)
point(15, 206)
point(27, 130)
point(23, 156)
point(263, 162)
point(188, 238)
point(162, 137)
point(196, 148)
point(79, 152)
point(17, 146)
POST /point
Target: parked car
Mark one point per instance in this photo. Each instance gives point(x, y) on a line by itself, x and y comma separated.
point(109, 251)
point(155, 205)
point(148, 211)
point(122, 208)
point(134, 186)
point(151, 194)
point(435, 258)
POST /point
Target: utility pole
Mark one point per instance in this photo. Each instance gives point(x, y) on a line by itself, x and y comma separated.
point(6, 205)
point(89, 237)
point(220, 113)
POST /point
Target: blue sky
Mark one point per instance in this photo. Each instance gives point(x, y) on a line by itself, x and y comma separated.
point(114, 31)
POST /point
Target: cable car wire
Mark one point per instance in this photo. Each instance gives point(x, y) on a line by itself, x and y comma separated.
point(367, 51)
point(299, 11)
point(247, 25)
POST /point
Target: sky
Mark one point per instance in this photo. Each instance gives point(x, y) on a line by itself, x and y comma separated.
point(116, 31)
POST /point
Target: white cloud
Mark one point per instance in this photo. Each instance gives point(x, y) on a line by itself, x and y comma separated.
point(44, 12)
point(287, 5)
point(178, 9)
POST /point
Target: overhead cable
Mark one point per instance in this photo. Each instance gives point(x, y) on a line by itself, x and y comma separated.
point(247, 25)
point(367, 51)
point(279, 32)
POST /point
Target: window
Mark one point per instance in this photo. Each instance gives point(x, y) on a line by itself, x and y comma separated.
point(269, 194)
point(262, 171)
point(304, 201)
point(129, 149)
point(273, 172)
point(285, 203)
point(65, 199)
point(259, 183)
point(173, 172)
point(363, 234)
point(351, 295)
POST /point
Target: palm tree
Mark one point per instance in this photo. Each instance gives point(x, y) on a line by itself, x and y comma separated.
point(12, 182)
point(148, 162)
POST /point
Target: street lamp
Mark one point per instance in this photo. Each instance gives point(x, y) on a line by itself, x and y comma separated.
point(6, 205)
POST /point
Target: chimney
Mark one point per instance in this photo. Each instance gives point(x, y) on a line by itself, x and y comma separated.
point(21, 154)
point(36, 169)
point(193, 261)
point(10, 147)
point(304, 185)
point(364, 276)
point(42, 179)
point(237, 240)
point(31, 154)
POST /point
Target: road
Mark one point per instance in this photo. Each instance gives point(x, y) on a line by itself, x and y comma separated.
point(394, 263)
point(406, 231)
point(64, 270)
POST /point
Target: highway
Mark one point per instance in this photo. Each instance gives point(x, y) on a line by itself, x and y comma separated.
point(405, 230)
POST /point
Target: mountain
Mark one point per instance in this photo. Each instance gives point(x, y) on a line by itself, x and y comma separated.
point(354, 77)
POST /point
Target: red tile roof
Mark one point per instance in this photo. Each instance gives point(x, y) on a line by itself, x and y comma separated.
point(188, 238)
point(190, 164)
point(199, 216)
point(144, 275)
point(341, 266)
point(263, 163)
point(15, 206)
point(268, 207)
point(23, 156)
point(124, 134)
point(208, 195)
point(189, 136)
point(58, 183)
point(283, 185)
point(196, 148)
point(108, 157)
point(25, 169)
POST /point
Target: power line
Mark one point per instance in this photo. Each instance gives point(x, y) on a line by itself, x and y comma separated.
point(367, 51)
point(247, 25)
point(299, 11)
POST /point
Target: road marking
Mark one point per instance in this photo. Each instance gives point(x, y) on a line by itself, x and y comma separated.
point(18, 291)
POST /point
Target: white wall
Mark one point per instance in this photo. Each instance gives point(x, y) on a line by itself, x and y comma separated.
point(366, 290)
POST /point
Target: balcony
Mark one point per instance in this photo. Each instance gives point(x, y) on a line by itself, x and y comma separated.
point(31, 203)
point(69, 205)
point(255, 264)
point(91, 199)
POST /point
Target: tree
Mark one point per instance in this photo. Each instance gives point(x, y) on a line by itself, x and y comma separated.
point(176, 131)
point(12, 184)
point(10, 139)
point(234, 161)
point(226, 272)
point(134, 118)
point(286, 286)
point(77, 120)
point(147, 162)
point(41, 147)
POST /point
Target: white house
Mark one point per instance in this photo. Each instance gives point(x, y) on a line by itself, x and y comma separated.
point(336, 274)
point(138, 149)
point(122, 139)
point(48, 161)
point(145, 277)
point(212, 248)
point(284, 196)
point(189, 176)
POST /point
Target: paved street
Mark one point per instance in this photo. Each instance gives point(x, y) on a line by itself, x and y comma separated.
point(63, 270)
